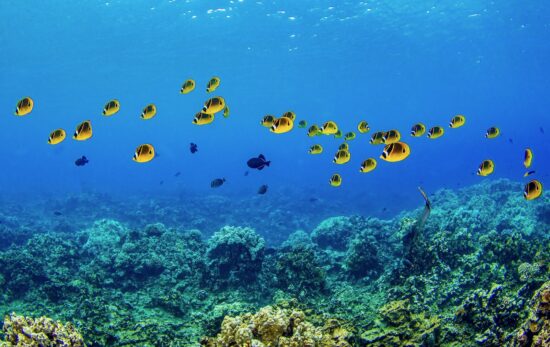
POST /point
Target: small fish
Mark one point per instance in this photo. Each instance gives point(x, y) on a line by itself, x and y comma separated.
point(226, 111)
point(83, 131)
point(436, 132)
point(486, 168)
point(541, 130)
point(377, 138)
point(203, 118)
point(263, 189)
point(457, 121)
point(177, 174)
point(315, 149)
point(335, 180)
point(528, 158)
point(161, 182)
point(268, 120)
point(213, 84)
point(302, 124)
point(149, 112)
point(24, 106)
point(57, 136)
point(193, 148)
point(57, 213)
point(368, 165)
point(246, 173)
point(343, 147)
point(418, 130)
point(395, 152)
point(391, 136)
point(492, 132)
point(81, 161)
point(290, 115)
point(528, 173)
point(338, 134)
point(187, 87)
point(313, 131)
point(532, 190)
point(341, 157)
point(217, 182)
point(111, 108)
point(214, 105)
point(363, 127)
point(329, 128)
point(258, 163)
point(349, 136)
point(281, 125)
point(144, 153)
point(511, 141)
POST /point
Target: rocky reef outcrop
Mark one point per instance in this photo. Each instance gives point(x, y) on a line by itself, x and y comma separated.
point(22, 331)
point(476, 274)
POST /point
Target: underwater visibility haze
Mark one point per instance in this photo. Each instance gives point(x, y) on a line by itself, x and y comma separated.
point(275, 173)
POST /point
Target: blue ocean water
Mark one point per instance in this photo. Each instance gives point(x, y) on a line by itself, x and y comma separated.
point(392, 63)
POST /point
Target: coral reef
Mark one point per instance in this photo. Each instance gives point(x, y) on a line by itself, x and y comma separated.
point(362, 256)
point(235, 255)
point(39, 332)
point(298, 270)
point(535, 331)
point(471, 276)
point(400, 327)
point(276, 326)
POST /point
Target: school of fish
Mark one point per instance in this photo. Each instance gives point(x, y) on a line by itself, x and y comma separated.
point(395, 149)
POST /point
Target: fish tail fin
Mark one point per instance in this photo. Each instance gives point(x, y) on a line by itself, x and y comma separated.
point(267, 163)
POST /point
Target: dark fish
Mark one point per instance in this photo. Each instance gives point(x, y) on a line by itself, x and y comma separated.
point(81, 161)
point(57, 213)
point(258, 163)
point(313, 199)
point(217, 182)
point(510, 140)
point(541, 130)
point(263, 189)
point(177, 174)
point(384, 209)
point(193, 148)
point(246, 173)
point(161, 183)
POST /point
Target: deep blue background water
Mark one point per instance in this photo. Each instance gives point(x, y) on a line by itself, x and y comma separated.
point(392, 63)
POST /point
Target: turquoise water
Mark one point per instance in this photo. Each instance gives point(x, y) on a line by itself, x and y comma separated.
point(391, 63)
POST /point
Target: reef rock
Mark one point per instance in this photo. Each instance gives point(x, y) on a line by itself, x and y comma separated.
point(535, 332)
point(401, 327)
point(281, 327)
point(334, 233)
point(235, 256)
point(39, 332)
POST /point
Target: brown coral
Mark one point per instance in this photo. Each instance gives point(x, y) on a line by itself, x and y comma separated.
point(276, 326)
point(401, 327)
point(536, 330)
point(39, 332)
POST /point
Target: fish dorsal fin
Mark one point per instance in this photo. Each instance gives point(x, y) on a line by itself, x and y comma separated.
point(261, 156)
